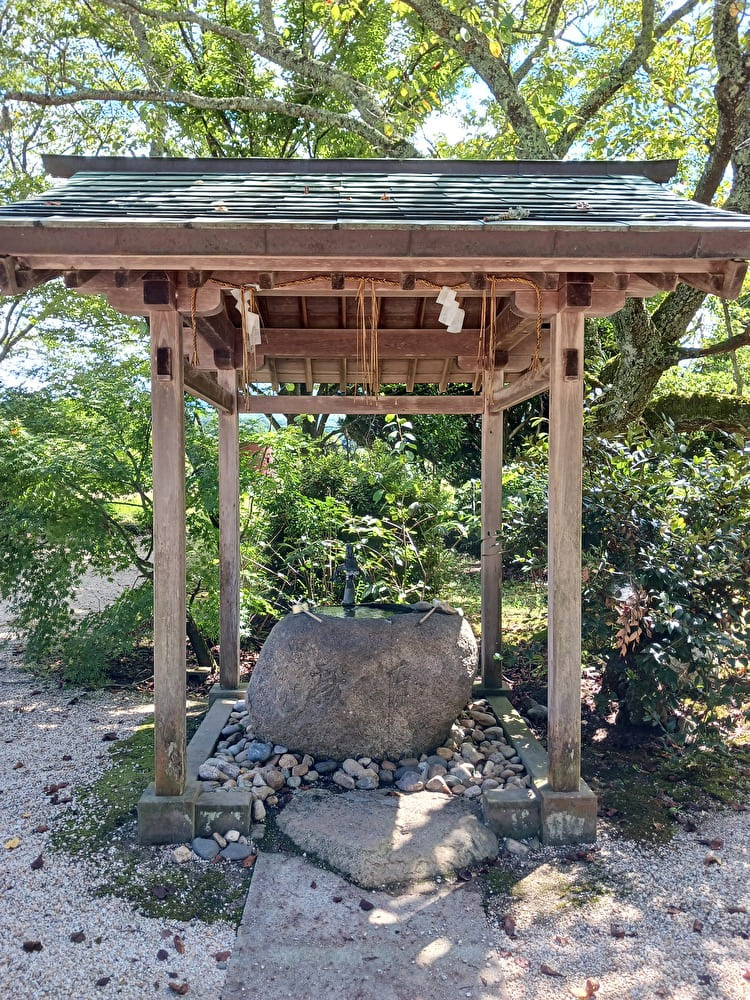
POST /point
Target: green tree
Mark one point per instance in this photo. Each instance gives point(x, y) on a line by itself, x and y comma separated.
point(318, 78)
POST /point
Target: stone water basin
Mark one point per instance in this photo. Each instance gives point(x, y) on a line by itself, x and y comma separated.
point(384, 683)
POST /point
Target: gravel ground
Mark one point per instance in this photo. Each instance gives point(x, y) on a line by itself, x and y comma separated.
point(56, 736)
point(643, 922)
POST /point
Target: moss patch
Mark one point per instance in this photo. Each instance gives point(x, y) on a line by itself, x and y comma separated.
point(103, 830)
point(159, 887)
point(109, 802)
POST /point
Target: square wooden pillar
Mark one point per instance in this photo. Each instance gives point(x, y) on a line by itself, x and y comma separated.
point(491, 545)
point(168, 432)
point(564, 551)
point(229, 537)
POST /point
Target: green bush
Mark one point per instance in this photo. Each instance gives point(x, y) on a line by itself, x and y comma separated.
point(666, 578)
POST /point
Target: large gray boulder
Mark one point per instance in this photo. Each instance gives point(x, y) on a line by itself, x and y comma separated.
point(383, 687)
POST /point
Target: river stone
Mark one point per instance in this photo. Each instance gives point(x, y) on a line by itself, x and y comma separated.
point(348, 687)
point(378, 839)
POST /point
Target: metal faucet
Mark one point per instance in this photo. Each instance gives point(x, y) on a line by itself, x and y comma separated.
point(350, 571)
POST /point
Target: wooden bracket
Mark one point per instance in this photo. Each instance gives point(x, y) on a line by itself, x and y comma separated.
point(158, 291)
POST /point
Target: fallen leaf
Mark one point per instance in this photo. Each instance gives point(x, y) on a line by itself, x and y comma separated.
point(465, 875)
point(162, 954)
point(697, 926)
point(67, 756)
point(365, 904)
point(746, 975)
point(161, 891)
point(712, 859)
point(18, 765)
point(250, 861)
point(313, 885)
point(616, 931)
point(37, 863)
point(672, 910)
point(41, 828)
point(179, 945)
point(110, 737)
point(660, 992)
point(561, 940)
point(77, 937)
point(103, 981)
point(337, 899)
point(522, 962)
point(181, 989)
point(12, 844)
point(549, 971)
point(704, 980)
point(591, 987)
point(30, 946)
point(716, 844)
point(736, 909)
point(509, 925)
point(222, 956)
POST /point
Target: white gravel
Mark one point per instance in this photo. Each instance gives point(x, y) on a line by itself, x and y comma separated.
point(51, 903)
point(563, 913)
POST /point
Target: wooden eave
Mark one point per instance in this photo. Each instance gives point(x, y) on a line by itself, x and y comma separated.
point(307, 273)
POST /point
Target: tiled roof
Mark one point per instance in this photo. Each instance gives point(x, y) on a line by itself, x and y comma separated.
point(382, 198)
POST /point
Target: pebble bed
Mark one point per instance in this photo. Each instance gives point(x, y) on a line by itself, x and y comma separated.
point(475, 756)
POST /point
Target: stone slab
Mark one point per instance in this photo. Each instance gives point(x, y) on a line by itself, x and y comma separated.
point(378, 838)
point(430, 943)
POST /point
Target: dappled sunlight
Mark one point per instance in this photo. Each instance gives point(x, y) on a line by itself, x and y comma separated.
point(440, 947)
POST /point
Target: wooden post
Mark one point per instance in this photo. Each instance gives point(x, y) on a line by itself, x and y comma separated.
point(167, 407)
point(564, 545)
point(491, 547)
point(229, 537)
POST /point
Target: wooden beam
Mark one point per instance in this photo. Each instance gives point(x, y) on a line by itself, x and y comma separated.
point(201, 385)
point(309, 383)
point(335, 343)
point(15, 279)
point(167, 407)
point(726, 283)
point(444, 375)
point(411, 375)
point(528, 385)
point(564, 546)
point(361, 404)
point(342, 375)
point(229, 537)
point(491, 545)
point(274, 374)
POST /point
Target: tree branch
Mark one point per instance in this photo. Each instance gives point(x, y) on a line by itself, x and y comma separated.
point(547, 32)
point(269, 47)
point(255, 105)
point(731, 103)
point(472, 46)
point(643, 46)
point(723, 347)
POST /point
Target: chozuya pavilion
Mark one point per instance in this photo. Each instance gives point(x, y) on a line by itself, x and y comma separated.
point(343, 261)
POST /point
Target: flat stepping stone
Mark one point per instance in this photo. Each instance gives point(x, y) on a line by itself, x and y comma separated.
point(307, 933)
point(379, 839)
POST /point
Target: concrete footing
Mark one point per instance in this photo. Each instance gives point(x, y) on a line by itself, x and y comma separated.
point(175, 819)
point(539, 811)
